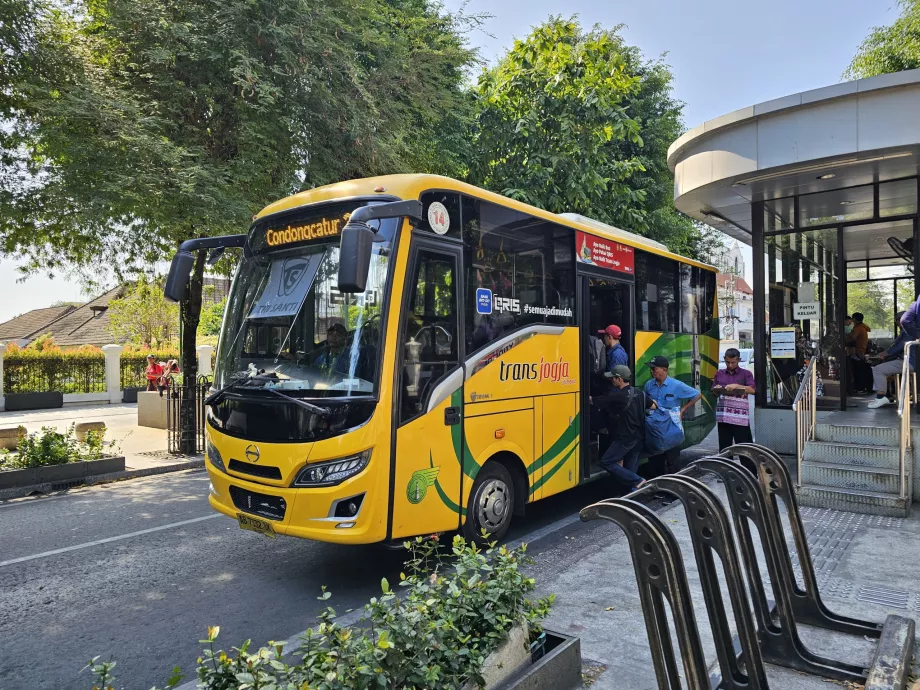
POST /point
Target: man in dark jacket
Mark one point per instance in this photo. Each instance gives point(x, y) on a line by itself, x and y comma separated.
point(625, 405)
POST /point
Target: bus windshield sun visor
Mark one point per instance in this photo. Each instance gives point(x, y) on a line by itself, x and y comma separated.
point(289, 281)
point(357, 241)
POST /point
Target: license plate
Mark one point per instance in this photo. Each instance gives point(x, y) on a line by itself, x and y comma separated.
point(254, 524)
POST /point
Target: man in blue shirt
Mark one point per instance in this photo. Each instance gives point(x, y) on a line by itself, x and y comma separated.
point(616, 353)
point(334, 357)
point(667, 393)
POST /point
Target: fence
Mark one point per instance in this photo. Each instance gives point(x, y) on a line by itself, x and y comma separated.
point(79, 373)
point(186, 400)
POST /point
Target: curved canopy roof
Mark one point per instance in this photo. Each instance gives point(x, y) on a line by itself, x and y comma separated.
point(836, 137)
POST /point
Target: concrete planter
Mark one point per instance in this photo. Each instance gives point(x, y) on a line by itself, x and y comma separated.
point(556, 665)
point(52, 474)
point(151, 409)
point(511, 655)
point(129, 395)
point(33, 401)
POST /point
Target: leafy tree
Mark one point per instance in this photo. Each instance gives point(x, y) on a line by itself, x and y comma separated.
point(545, 114)
point(136, 124)
point(211, 318)
point(142, 316)
point(874, 299)
point(890, 48)
point(576, 120)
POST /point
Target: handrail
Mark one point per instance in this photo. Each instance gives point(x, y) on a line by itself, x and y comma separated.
point(805, 409)
point(905, 394)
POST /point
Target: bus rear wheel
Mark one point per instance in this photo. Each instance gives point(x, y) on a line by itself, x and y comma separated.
point(491, 504)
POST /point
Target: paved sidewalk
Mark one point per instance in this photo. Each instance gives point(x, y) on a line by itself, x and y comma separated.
point(864, 568)
point(144, 448)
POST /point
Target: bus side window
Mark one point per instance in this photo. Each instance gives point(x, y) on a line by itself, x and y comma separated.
point(429, 337)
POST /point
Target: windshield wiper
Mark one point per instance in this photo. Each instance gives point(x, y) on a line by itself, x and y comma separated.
point(218, 395)
point(316, 409)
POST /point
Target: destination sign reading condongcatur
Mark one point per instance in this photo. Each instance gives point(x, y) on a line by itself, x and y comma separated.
point(317, 230)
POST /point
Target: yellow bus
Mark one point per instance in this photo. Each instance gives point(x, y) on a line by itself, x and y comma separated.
point(408, 355)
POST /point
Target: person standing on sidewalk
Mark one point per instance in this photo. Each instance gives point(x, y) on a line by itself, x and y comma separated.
point(667, 394)
point(625, 405)
point(732, 385)
point(153, 372)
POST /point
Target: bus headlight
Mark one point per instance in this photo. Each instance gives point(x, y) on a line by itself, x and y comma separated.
point(332, 472)
point(215, 458)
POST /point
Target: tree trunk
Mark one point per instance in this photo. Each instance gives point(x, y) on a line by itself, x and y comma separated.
point(191, 315)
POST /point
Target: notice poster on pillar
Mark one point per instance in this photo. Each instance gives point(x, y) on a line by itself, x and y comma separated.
point(605, 253)
point(782, 343)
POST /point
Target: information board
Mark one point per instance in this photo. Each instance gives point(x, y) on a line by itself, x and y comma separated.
point(782, 343)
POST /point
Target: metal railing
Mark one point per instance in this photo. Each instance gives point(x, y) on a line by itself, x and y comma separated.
point(906, 391)
point(805, 409)
point(186, 402)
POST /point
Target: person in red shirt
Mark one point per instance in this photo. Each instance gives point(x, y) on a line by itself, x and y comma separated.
point(154, 372)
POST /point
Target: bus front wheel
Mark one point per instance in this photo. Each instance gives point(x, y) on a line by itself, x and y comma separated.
point(490, 505)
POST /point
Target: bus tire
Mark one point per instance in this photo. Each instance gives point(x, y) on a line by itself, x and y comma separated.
point(491, 504)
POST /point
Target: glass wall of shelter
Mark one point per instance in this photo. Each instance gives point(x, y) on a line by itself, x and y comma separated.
point(819, 258)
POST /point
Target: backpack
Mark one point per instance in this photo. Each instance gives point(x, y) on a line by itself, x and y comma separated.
point(597, 355)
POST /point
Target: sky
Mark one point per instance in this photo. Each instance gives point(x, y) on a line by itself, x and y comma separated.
point(725, 55)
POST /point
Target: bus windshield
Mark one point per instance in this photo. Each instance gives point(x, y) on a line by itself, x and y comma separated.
point(286, 321)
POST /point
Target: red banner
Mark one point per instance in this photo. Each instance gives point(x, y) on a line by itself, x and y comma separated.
point(605, 253)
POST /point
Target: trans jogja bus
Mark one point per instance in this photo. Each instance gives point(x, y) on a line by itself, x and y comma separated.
point(408, 355)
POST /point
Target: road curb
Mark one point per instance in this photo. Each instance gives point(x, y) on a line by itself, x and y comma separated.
point(49, 488)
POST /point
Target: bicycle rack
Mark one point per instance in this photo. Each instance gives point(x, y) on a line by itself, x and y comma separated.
point(661, 576)
point(779, 640)
point(752, 487)
point(711, 531)
point(807, 605)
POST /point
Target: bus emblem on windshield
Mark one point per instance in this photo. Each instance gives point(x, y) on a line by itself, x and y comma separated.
point(252, 453)
point(291, 273)
point(419, 483)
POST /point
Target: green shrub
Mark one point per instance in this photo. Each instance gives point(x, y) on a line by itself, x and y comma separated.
point(51, 447)
point(452, 614)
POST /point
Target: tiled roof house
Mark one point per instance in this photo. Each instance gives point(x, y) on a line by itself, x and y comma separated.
point(87, 324)
point(26, 327)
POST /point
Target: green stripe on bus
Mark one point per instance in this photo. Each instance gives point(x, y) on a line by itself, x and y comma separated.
point(461, 449)
point(555, 468)
point(445, 499)
point(559, 445)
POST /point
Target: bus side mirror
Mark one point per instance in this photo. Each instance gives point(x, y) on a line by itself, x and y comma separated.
point(176, 288)
point(355, 251)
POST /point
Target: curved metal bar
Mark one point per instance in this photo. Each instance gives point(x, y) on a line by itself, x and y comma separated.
point(660, 575)
point(780, 643)
point(710, 530)
point(774, 480)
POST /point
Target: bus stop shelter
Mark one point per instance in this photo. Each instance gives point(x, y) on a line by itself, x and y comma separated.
point(823, 186)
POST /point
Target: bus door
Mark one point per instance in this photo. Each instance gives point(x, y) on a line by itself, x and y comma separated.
point(429, 416)
point(605, 300)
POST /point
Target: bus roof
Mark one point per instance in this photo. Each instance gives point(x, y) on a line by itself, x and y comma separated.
point(411, 186)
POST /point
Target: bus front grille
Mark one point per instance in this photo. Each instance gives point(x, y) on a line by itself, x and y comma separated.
point(265, 472)
point(271, 507)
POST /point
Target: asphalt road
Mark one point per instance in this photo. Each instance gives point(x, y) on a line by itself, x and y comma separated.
point(136, 571)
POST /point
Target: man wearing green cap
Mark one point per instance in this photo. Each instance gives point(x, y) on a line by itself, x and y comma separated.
point(626, 406)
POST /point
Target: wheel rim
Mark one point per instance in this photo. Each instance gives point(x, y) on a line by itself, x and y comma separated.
point(493, 504)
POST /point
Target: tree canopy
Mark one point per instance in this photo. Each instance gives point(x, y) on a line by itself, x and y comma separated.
point(142, 316)
point(577, 120)
point(890, 48)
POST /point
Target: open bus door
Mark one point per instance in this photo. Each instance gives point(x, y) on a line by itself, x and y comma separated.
point(604, 298)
